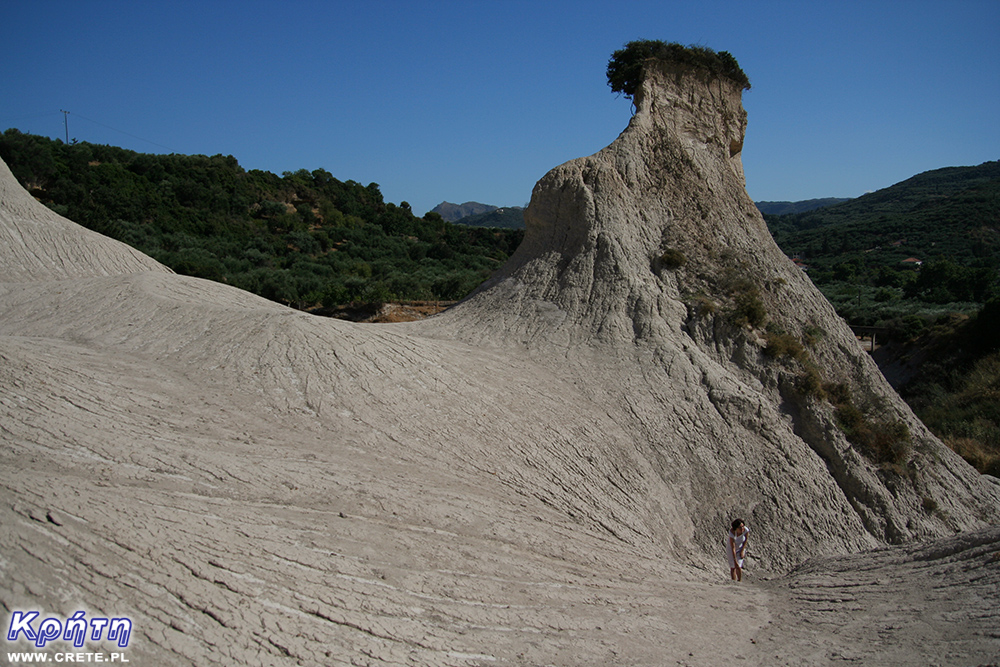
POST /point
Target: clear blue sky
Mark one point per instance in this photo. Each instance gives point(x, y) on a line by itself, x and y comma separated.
point(459, 101)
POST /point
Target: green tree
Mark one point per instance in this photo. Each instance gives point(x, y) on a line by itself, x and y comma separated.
point(627, 65)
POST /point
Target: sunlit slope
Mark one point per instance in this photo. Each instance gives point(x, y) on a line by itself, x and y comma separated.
point(540, 476)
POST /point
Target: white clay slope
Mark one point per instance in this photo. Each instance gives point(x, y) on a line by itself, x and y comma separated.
point(541, 476)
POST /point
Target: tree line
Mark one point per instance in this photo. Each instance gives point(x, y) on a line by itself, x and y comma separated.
point(304, 238)
point(902, 256)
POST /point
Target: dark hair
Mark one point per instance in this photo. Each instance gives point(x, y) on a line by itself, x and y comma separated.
point(736, 523)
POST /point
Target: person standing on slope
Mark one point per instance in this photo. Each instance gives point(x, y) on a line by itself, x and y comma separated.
point(737, 550)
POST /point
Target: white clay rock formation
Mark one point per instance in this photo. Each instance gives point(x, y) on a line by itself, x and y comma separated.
point(542, 475)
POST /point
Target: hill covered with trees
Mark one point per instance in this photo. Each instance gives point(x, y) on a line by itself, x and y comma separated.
point(303, 238)
point(927, 245)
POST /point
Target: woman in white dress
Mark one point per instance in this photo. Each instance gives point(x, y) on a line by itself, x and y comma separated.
point(737, 550)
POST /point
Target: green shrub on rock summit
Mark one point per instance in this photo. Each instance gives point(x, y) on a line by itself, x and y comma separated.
point(626, 66)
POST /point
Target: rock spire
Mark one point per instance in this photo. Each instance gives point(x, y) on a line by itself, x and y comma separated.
point(743, 391)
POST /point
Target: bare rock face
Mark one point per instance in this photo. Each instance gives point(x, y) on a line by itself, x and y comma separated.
point(729, 365)
point(543, 474)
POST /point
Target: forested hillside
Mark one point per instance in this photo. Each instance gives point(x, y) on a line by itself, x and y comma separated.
point(924, 246)
point(302, 238)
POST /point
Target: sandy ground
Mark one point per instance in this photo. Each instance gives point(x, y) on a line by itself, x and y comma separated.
point(235, 528)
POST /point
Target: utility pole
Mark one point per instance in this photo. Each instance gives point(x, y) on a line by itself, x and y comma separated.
point(66, 123)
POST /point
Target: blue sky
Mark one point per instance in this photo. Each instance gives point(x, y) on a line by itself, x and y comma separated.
point(463, 101)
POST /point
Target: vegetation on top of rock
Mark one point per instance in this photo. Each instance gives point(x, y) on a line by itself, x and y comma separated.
point(627, 65)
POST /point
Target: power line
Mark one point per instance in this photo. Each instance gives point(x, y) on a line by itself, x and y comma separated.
point(66, 125)
point(115, 129)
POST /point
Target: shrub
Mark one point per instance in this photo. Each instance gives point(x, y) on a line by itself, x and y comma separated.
point(672, 259)
point(749, 309)
point(334, 295)
point(914, 324)
point(891, 442)
point(882, 442)
point(704, 305)
point(839, 393)
point(812, 335)
point(852, 421)
point(627, 65)
point(784, 345)
point(377, 292)
point(811, 383)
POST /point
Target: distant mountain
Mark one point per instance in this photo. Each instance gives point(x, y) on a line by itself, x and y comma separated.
point(787, 207)
point(454, 212)
point(511, 217)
